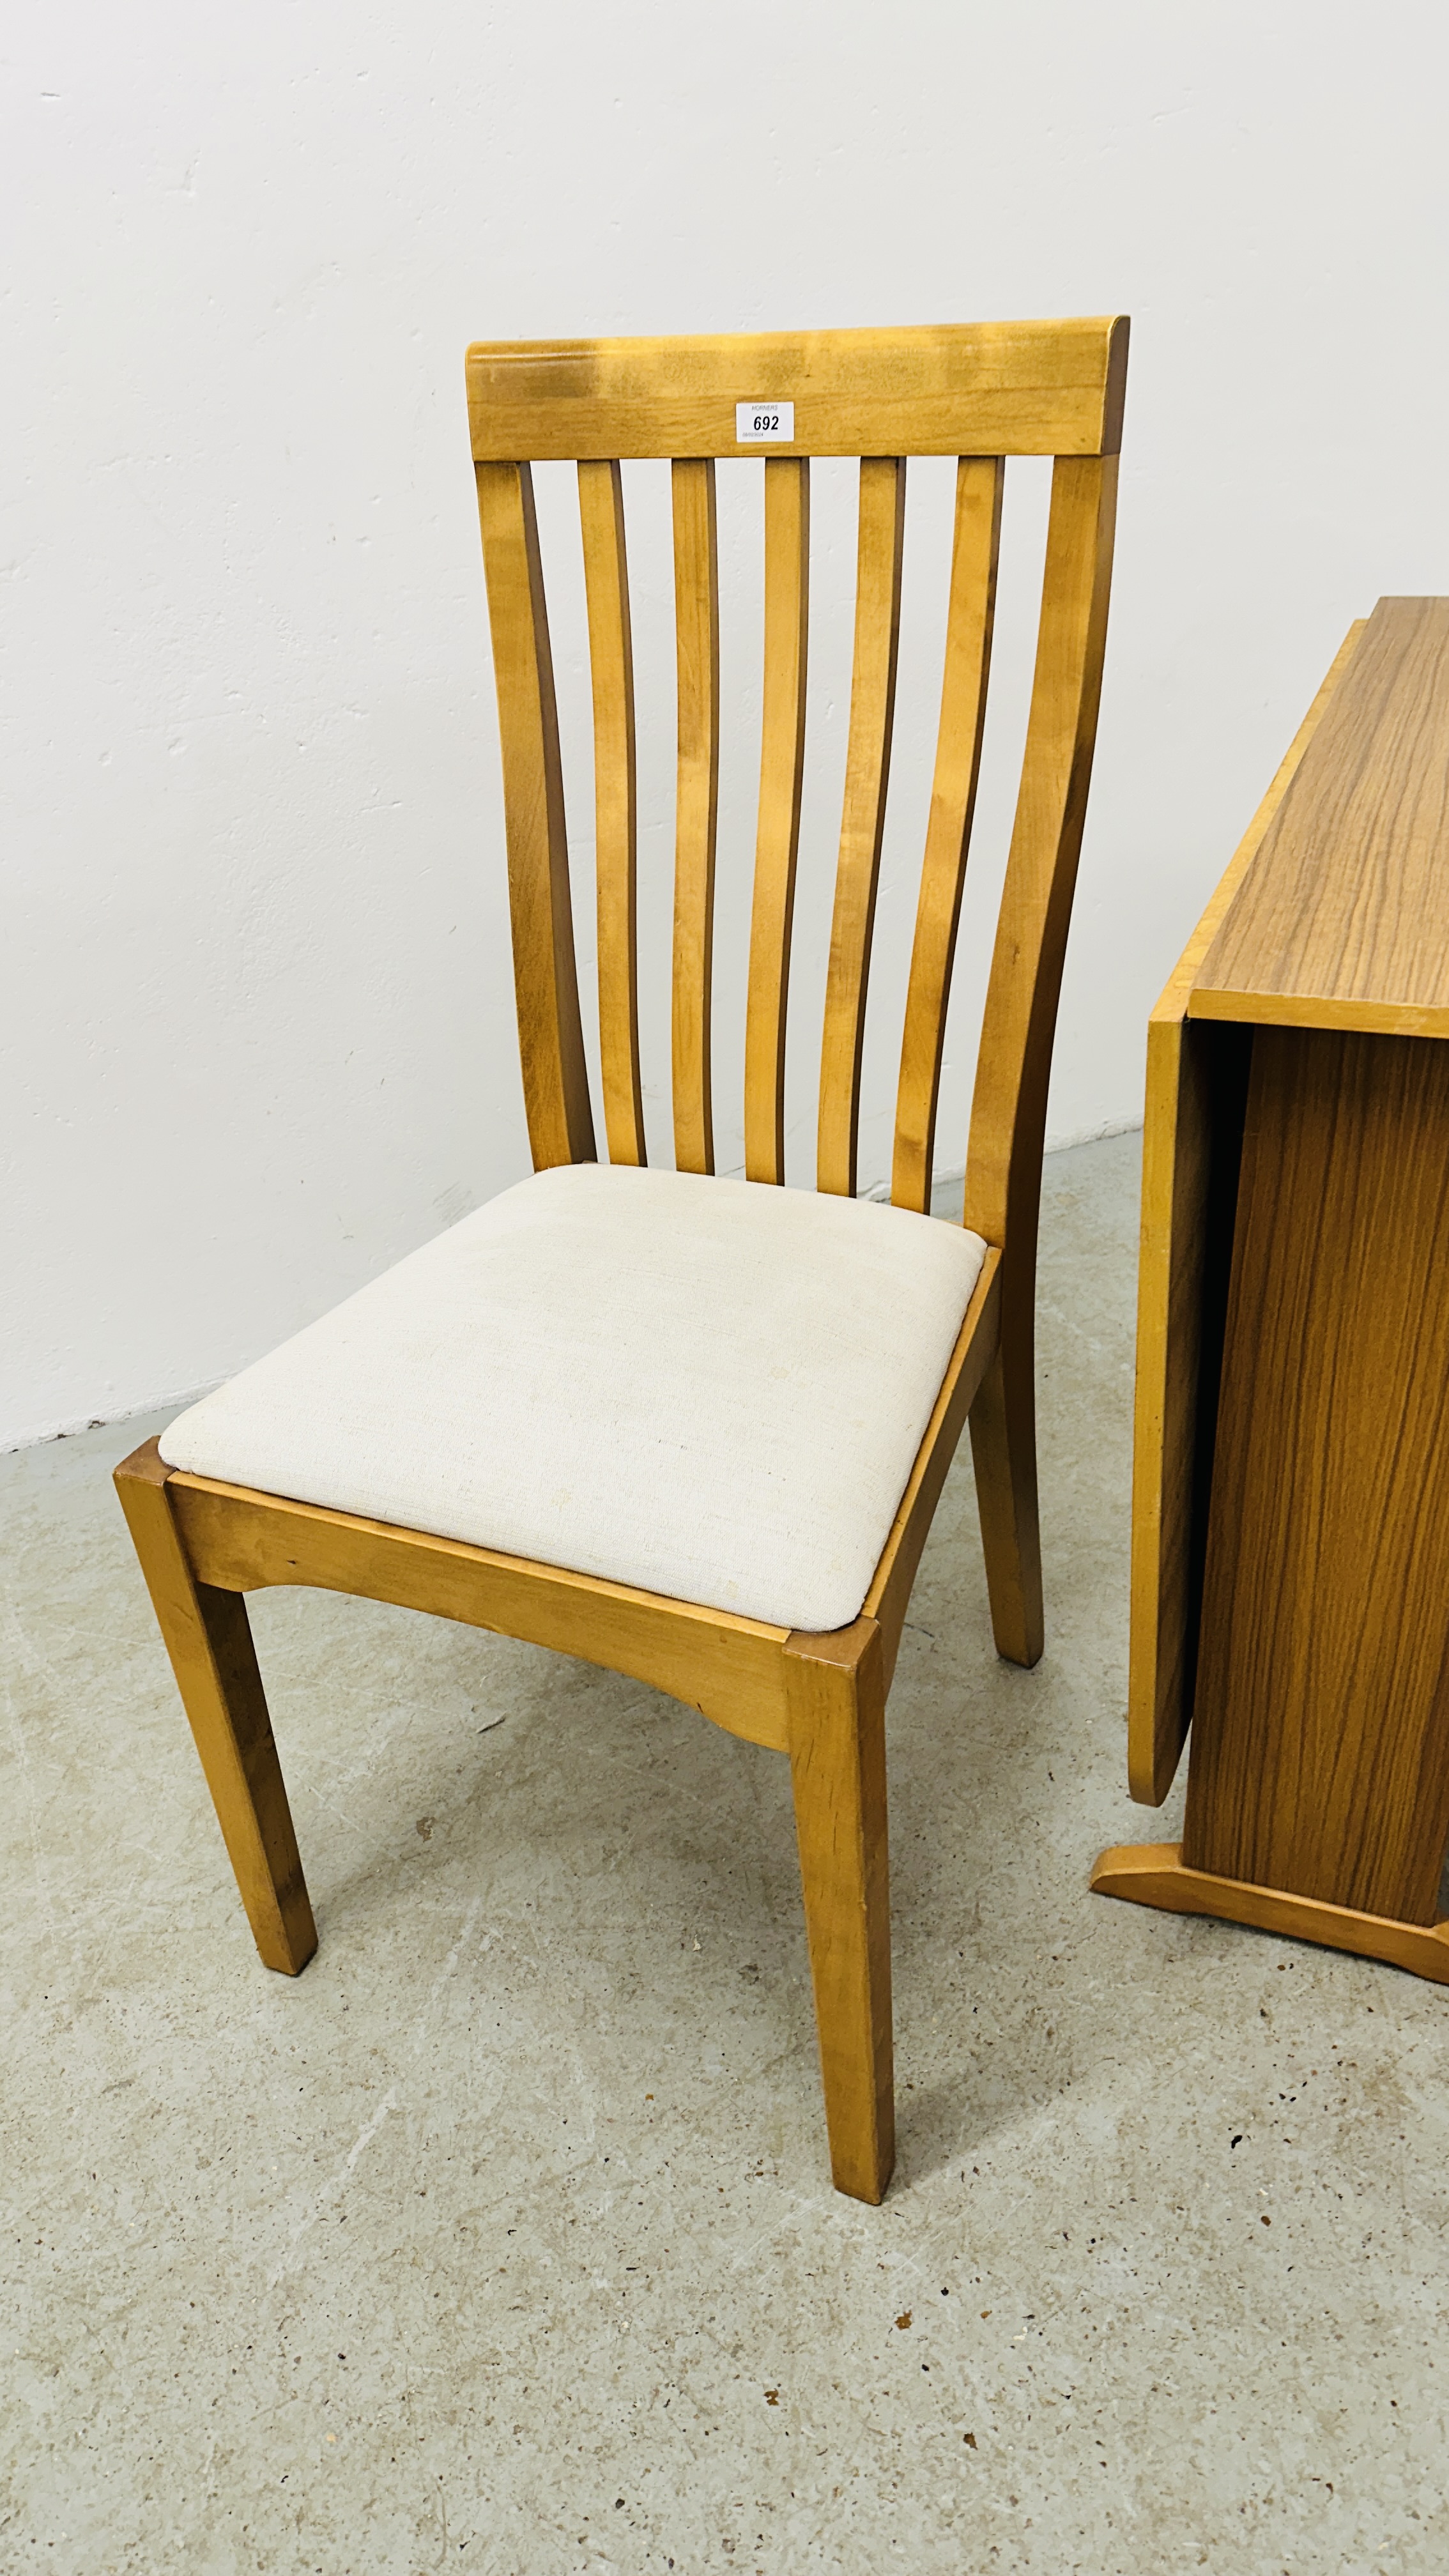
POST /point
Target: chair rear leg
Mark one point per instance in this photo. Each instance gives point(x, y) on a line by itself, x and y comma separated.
point(836, 1690)
point(209, 1641)
point(1003, 1452)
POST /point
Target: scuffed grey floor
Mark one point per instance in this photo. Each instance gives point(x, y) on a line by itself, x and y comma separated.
point(503, 2239)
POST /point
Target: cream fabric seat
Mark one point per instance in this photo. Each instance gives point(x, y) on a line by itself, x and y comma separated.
point(712, 1389)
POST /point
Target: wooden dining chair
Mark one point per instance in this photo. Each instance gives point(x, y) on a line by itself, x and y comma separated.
point(694, 1429)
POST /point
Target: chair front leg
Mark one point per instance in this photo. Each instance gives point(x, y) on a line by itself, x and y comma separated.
point(209, 1641)
point(836, 1692)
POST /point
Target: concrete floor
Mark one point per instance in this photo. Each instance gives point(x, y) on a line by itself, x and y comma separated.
point(503, 2239)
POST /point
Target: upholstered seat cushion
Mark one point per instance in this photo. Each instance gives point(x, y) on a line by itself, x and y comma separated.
point(708, 1388)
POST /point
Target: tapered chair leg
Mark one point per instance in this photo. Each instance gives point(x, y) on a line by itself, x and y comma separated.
point(209, 1641)
point(836, 1688)
point(1003, 1452)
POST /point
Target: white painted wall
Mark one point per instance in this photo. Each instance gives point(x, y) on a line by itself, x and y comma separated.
point(257, 1035)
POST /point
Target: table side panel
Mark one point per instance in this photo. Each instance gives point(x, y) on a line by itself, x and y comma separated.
point(1321, 1725)
point(1196, 1084)
point(1192, 1128)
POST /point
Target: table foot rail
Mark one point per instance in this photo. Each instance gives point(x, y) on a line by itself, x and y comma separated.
point(1155, 1874)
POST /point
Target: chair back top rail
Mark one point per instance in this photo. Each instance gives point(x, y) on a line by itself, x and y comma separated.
point(949, 389)
point(981, 393)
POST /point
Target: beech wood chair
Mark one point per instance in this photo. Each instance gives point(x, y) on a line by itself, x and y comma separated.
point(815, 1691)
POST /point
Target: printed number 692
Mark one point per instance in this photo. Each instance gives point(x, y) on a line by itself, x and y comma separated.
point(765, 420)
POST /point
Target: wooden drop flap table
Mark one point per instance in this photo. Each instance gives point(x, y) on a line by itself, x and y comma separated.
point(1290, 1523)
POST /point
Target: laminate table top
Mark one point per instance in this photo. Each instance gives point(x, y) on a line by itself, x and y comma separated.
point(1341, 918)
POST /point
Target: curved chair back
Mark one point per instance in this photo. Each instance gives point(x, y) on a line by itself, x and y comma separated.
point(980, 393)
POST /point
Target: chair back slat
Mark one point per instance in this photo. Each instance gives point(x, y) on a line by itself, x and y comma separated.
point(550, 1035)
point(1013, 1066)
point(611, 665)
point(696, 629)
point(975, 548)
point(777, 839)
point(879, 551)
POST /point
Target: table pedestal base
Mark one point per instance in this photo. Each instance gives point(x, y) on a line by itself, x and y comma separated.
point(1154, 1874)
